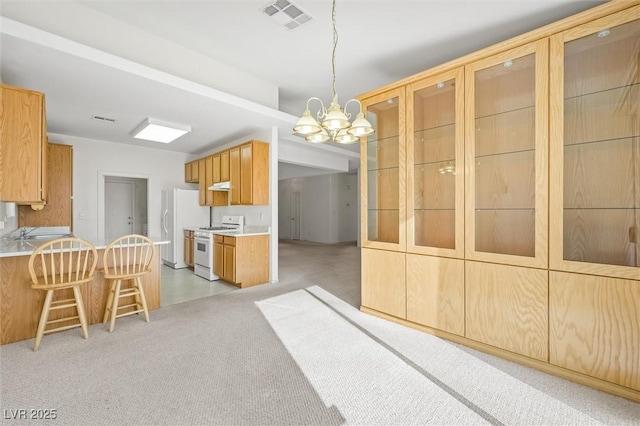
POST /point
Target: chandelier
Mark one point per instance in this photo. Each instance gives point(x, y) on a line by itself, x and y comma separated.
point(333, 124)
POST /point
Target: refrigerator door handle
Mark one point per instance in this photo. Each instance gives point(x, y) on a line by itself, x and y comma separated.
point(164, 222)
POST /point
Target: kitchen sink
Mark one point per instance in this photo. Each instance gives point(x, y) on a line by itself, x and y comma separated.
point(44, 237)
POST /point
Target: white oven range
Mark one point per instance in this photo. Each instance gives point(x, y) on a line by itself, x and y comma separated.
point(203, 245)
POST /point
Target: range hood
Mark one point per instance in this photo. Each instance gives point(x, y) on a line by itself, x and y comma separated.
point(220, 186)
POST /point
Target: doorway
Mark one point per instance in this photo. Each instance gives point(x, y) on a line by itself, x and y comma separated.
point(122, 206)
point(295, 215)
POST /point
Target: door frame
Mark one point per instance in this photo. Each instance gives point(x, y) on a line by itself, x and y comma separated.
point(102, 175)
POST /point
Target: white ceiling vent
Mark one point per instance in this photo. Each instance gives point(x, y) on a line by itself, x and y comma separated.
point(286, 14)
point(103, 119)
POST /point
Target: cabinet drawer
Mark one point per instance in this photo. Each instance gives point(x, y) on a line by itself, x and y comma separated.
point(229, 241)
point(218, 239)
point(188, 234)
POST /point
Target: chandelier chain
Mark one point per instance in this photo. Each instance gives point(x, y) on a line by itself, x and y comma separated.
point(333, 52)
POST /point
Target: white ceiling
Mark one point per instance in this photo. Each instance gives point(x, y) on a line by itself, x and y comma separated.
point(135, 59)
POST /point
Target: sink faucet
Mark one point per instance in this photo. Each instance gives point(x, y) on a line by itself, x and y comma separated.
point(24, 232)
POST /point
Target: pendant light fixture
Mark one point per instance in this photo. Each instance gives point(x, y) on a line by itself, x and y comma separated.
point(333, 124)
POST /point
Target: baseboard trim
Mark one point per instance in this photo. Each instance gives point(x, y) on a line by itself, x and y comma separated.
point(545, 367)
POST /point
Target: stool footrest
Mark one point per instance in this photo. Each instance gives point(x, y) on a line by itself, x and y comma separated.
point(77, 317)
point(66, 327)
point(129, 313)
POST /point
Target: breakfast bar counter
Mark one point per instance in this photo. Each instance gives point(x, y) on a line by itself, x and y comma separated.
point(20, 305)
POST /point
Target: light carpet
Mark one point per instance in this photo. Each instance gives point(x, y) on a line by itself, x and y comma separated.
point(378, 372)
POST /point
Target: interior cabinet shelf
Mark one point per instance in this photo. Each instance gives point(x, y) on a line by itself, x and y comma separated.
point(505, 153)
point(511, 112)
point(504, 209)
point(382, 168)
point(587, 142)
point(605, 91)
point(601, 208)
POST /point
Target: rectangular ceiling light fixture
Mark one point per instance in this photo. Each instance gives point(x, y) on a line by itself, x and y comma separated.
point(286, 14)
point(156, 130)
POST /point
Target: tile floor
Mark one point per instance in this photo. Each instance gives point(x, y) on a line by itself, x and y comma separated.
point(181, 285)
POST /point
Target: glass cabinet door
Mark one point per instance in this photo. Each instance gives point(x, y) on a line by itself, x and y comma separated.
point(435, 165)
point(382, 164)
point(506, 158)
point(596, 147)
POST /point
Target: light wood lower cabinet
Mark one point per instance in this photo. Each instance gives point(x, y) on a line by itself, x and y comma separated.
point(188, 247)
point(242, 261)
point(435, 292)
point(507, 307)
point(384, 281)
point(594, 325)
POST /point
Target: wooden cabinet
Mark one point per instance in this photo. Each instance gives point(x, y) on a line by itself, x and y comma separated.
point(23, 146)
point(234, 175)
point(188, 247)
point(229, 260)
point(202, 182)
point(245, 166)
point(254, 173)
point(242, 261)
point(218, 255)
point(595, 147)
point(383, 210)
point(435, 165)
point(192, 172)
point(506, 141)
point(59, 208)
point(224, 166)
point(522, 194)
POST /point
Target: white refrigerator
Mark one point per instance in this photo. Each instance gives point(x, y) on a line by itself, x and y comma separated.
point(180, 209)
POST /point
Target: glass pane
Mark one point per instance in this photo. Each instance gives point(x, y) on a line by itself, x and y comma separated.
point(383, 172)
point(602, 147)
point(505, 158)
point(434, 165)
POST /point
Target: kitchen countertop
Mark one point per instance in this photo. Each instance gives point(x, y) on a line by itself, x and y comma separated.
point(246, 231)
point(10, 247)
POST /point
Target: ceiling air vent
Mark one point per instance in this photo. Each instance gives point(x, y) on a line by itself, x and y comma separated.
point(286, 14)
point(103, 119)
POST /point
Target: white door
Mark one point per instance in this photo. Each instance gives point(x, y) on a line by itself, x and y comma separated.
point(118, 209)
point(295, 216)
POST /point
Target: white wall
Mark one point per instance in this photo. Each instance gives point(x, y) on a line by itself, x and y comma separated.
point(163, 169)
point(328, 207)
point(8, 215)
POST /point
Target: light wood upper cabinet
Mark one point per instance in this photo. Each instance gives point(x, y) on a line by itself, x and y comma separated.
point(192, 172)
point(254, 173)
point(506, 156)
point(224, 166)
point(23, 146)
point(435, 165)
point(202, 182)
point(59, 208)
point(213, 198)
point(249, 173)
point(383, 184)
point(216, 168)
point(595, 147)
point(234, 174)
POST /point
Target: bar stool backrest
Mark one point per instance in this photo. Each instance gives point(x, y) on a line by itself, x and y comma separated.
point(61, 263)
point(128, 256)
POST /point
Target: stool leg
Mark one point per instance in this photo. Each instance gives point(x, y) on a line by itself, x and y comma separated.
point(107, 309)
point(81, 314)
point(44, 316)
point(142, 298)
point(114, 306)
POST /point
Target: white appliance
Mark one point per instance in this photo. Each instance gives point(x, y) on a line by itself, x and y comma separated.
point(180, 209)
point(203, 265)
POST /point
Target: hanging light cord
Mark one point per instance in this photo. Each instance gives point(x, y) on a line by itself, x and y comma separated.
point(333, 52)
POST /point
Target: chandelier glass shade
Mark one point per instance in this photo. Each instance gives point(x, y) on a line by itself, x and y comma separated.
point(333, 124)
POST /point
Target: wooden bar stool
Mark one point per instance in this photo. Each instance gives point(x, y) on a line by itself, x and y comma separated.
point(127, 258)
point(64, 263)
